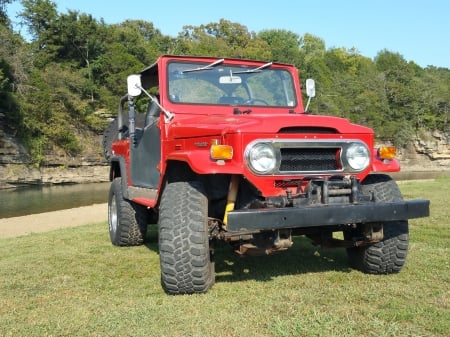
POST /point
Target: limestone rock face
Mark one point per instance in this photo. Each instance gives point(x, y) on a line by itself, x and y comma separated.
point(16, 168)
point(11, 151)
point(429, 152)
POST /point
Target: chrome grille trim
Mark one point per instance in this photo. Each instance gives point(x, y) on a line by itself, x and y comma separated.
point(312, 157)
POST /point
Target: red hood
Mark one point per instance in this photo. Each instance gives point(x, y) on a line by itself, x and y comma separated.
point(200, 126)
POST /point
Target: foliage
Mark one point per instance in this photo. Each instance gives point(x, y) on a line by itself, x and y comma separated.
point(75, 65)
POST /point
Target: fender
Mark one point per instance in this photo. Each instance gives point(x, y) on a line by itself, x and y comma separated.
point(200, 162)
point(121, 163)
point(380, 165)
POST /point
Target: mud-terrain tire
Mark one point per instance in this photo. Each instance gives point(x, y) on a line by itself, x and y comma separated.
point(110, 135)
point(185, 257)
point(127, 221)
point(389, 255)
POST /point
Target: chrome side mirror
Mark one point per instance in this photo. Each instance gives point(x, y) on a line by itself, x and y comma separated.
point(310, 87)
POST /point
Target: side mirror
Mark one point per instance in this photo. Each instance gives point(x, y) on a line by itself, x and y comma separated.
point(310, 87)
point(134, 85)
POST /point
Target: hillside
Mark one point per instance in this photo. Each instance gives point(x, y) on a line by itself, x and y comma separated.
point(17, 167)
point(58, 89)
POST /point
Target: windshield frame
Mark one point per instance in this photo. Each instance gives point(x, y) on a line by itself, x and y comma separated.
point(267, 85)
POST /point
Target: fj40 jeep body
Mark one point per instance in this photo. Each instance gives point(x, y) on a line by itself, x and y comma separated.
point(226, 151)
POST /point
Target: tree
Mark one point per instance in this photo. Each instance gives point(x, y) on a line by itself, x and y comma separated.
point(38, 15)
point(284, 45)
point(403, 92)
point(4, 20)
point(222, 39)
point(75, 65)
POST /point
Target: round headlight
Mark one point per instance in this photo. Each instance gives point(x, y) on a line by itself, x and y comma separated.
point(261, 158)
point(357, 156)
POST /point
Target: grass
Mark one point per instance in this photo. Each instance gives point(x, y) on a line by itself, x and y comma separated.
point(72, 282)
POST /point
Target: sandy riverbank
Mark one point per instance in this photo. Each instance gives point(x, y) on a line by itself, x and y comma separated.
point(42, 222)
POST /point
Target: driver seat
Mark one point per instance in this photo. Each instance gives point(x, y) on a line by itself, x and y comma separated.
point(153, 112)
point(230, 100)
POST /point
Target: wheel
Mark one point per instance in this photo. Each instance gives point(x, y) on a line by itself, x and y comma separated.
point(185, 256)
point(110, 135)
point(127, 221)
point(389, 255)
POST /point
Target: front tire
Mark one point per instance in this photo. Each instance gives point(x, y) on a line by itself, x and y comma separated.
point(127, 221)
point(185, 255)
point(389, 255)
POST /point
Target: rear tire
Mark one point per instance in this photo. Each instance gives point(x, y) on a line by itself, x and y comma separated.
point(185, 256)
point(110, 135)
point(127, 221)
point(389, 255)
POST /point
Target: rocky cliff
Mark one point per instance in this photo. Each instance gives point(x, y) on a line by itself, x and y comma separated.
point(16, 168)
point(430, 152)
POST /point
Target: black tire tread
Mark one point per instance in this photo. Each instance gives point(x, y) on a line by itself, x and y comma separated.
point(132, 219)
point(110, 135)
point(183, 240)
point(389, 255)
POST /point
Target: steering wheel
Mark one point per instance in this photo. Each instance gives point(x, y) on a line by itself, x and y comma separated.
point(255, 100)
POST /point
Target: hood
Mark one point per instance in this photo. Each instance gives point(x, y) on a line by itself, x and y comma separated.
point(213, 125)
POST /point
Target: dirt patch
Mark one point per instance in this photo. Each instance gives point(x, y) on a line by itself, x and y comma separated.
point(42, 222)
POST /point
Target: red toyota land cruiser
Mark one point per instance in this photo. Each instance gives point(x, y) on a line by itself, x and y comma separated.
point(226, 151)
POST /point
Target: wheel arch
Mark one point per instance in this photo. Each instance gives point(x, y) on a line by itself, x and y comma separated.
point(177, 170)
point(118, 168)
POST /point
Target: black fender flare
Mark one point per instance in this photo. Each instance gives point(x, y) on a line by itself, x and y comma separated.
point(118, 168)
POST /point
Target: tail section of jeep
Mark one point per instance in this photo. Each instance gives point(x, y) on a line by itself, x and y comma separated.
point(223, 149)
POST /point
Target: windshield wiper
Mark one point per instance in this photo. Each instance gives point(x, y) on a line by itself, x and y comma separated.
point(208, 67)
point(256, 70)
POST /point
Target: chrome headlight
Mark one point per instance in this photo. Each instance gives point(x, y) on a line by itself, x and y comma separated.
point(261, 158)
point(357, 156)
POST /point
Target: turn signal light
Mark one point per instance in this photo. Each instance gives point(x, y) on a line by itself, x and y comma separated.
point(387, 152)
point(221, 152)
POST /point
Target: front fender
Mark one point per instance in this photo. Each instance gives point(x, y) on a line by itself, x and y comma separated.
point(200, 162)
point(380, 165)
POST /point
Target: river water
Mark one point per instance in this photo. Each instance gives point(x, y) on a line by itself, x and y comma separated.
point(32, 200)
point(40, 199)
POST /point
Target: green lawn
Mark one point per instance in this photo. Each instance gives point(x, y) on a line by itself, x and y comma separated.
point(73, 282)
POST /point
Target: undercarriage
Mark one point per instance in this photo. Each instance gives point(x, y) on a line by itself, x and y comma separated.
point(322, 208)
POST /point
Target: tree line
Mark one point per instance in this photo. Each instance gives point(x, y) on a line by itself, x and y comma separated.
point(73, 66)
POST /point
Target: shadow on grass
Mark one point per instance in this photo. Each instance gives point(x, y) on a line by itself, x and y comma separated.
point(301, 258)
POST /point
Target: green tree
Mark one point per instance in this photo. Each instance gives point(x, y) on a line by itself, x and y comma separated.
point(37, 16)
point(222, 39)
point(404, 94)
point(4, 20)
point(284, 45)
point(436, 108)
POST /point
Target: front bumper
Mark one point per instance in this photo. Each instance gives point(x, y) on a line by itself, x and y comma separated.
point(325, 215)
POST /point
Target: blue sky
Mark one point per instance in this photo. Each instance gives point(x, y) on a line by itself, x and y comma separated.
point(418, 30)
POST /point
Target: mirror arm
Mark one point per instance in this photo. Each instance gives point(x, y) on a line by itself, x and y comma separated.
point(307, 104)
point(131, 119)
point(169, 115)
point(310, 91)
point(123, 99)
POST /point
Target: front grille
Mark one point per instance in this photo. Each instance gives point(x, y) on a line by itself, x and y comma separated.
point(300, 157)
point(288, 183)
point(309, 159)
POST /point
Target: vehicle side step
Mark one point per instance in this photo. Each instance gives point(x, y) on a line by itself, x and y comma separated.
point(142, 195)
